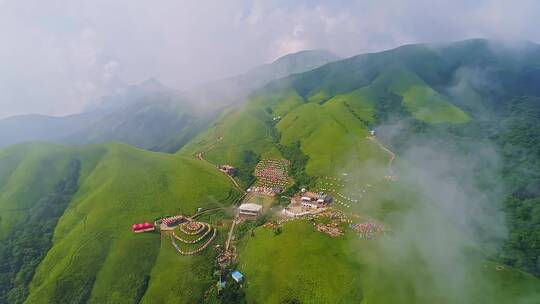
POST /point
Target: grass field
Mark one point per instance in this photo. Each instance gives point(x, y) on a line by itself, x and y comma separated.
point(321, 270)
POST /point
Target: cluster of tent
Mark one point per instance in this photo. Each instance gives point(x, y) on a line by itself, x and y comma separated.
point(271, 168)
point(337, 179)
point(272, 173)
point(368, 230)
point(265, 190)
point(173, 220)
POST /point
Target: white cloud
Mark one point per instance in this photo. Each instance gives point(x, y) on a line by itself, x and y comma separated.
point(53, 46)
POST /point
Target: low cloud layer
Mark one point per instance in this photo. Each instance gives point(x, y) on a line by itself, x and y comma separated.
point(445, 216)
point(58, 55)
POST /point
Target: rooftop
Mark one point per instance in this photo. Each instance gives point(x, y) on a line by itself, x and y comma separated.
point(237, 276)
point(250, 207)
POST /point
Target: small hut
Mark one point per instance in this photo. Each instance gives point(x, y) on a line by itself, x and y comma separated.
point(237, 276)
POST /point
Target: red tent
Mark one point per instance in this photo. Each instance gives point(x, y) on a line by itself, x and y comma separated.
point(137, 227)
point(141, 227)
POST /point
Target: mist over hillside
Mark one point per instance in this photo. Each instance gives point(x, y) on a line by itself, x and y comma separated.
point(447, 111)
point(432, 147)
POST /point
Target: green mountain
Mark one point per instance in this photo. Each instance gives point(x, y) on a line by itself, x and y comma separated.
point(329, 109)
point(456, 146)
point(458, 103)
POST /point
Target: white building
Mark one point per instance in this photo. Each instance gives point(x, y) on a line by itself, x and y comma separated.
point(250, 209)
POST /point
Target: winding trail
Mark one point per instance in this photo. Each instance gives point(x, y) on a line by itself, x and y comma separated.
point(194, 216)
point(392, 155)
point(200, 156)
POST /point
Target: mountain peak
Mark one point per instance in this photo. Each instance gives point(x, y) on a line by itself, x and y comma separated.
point(318, 55)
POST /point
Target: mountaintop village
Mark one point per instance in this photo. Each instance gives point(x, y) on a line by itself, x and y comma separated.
point(324, 207)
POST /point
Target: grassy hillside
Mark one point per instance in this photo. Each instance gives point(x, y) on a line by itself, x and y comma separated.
point(421, 100)
point(322, 270)
point(93, 245)
point(332, 135)
point(347, 270)
point(330, 109)
point(28, 172)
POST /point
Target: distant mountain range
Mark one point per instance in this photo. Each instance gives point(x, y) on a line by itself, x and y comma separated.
point(150, 115)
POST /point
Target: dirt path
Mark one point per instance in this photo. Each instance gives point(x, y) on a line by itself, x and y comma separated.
point(392, 154)
point(230, 235)
point(206, 211)
point(235, 183)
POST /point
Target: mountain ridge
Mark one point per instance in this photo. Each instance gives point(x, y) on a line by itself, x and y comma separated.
point(133, 102)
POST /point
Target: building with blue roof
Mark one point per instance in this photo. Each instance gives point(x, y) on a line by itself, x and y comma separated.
point(237, 276)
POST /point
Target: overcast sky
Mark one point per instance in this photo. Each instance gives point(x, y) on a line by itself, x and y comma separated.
point(58, 55)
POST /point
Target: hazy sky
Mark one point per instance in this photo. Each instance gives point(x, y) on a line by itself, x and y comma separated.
point(57, 55)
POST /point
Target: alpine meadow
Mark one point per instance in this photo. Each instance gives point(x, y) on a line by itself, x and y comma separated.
point(391, 168)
